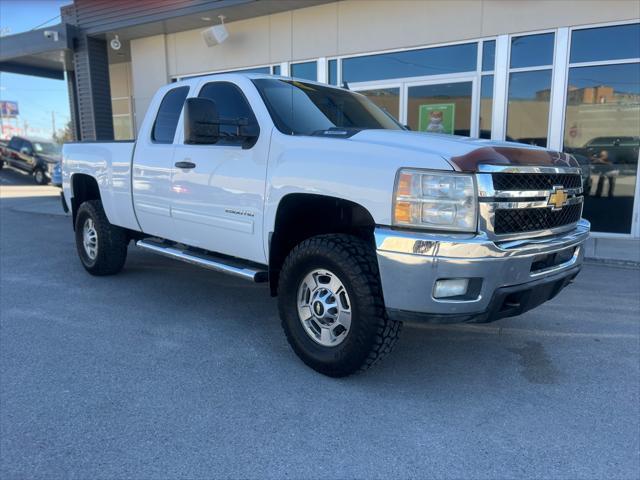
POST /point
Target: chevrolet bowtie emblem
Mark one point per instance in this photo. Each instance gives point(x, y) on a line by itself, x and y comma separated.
point(558, 198)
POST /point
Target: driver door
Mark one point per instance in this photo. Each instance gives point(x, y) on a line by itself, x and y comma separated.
point(218, 190)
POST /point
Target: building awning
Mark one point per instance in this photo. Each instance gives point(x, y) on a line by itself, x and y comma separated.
point(46, 52)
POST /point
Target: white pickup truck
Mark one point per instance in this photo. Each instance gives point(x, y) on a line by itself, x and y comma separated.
point(356, 223)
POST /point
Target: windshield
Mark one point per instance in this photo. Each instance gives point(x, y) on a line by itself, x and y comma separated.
point(299, 108)
point(46, 148)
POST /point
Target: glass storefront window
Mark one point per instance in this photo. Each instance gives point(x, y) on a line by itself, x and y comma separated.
point(486, 106)
point(440, 108)
point(411, 63)
point(266, 70)
point(120, 106)
point(276, 69)
point(605, 43)
point(532, 50)
point(602, 130)
point(333, 72)
point(488, 55)
point(386, 98)
point(528, 108)
point(122, 127)
point(305, 70)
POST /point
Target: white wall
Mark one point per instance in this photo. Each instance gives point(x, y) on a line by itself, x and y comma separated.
point(148, 72)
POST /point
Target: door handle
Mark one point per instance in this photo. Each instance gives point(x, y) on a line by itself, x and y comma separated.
point(185, 165)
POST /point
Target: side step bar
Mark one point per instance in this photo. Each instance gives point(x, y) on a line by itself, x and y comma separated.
point(248, 271)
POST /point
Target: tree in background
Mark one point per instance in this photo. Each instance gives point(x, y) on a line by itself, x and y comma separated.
point(65, 135)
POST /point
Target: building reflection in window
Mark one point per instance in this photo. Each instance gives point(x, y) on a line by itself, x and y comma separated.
point(528, 111)
point(386, 98)
point(602, 130)
point(531, 64)
point(486, 106)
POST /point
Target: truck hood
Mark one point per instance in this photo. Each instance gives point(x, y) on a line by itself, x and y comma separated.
point(466, 154)
point(50, 158)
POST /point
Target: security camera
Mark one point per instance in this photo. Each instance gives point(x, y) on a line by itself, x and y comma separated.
point(216, 34)
point(115, 43)
point(51, 35)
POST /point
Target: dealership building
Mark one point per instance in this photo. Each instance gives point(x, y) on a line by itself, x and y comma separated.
point(564, 74)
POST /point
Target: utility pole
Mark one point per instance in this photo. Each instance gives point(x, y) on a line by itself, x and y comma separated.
point(53, 124)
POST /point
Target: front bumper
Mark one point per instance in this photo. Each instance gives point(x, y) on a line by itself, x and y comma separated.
point(506, 278)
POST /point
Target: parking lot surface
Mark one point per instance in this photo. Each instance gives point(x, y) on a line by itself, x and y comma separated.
point(170, 371)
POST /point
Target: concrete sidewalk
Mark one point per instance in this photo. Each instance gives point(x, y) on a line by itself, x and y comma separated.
point(613, 251)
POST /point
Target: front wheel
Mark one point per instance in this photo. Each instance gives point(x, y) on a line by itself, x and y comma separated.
point(102, 247)
point(39, 177)
point(331, 305)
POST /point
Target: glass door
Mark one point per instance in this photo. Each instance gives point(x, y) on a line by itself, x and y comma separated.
point(442, 106)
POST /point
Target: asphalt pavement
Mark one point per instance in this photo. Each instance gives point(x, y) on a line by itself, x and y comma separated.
point(170, 371)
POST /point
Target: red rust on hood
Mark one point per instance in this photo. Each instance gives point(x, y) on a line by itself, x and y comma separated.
point(516, 156)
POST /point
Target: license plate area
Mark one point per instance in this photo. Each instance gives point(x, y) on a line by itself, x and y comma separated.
point(547, 261)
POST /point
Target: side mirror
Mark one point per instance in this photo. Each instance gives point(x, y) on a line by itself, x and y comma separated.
point(249, 134)
point(201, 121)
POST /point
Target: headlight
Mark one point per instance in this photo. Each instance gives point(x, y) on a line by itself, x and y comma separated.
point(439, 201)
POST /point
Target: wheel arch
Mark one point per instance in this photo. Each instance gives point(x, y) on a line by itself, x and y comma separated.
point(303, 215)
point(83, 188)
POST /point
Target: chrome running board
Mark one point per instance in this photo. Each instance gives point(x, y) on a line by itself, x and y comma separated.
point(238, 268)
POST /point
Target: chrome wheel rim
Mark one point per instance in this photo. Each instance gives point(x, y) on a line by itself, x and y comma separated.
point(39, 176)
point(324, 308)
point(90, 239)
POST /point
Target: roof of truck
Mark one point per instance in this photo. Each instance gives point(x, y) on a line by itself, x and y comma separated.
point(251, 76)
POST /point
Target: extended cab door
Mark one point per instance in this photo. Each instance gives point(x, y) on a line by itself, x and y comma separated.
point(218, 190)
point(153, 163)
point(25, 155)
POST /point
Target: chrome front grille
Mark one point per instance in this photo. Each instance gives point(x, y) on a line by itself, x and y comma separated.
point(517, 220)
point(524, 202)
point(535, 181)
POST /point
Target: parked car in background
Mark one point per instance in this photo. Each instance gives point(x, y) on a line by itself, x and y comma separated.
point(33, 155)
point(56, 175)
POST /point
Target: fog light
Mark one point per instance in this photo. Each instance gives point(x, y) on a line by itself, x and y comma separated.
point(451, 288)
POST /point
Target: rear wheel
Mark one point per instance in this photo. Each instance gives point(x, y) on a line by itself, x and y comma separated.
point(331, 305)
point(39, 177)
point(102, 247)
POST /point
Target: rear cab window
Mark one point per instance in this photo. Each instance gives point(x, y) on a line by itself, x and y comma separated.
point(166, 122)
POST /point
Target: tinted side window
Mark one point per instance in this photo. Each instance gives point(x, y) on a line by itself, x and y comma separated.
point(232, 105)
point(164, 128)
point(15, 143)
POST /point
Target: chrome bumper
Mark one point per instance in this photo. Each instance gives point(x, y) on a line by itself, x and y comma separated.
point(503, 273)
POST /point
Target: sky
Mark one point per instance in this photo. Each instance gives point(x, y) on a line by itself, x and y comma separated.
point(36, 97)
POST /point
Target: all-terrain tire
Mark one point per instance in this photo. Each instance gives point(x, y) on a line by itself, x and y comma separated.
point(372, 333)
point(111, 245)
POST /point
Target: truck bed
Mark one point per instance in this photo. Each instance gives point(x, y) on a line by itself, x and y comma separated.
point(110, 164)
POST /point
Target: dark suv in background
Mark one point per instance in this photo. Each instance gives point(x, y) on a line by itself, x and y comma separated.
point(36, 156)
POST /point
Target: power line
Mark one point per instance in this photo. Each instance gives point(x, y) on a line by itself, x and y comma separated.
point(44, 23)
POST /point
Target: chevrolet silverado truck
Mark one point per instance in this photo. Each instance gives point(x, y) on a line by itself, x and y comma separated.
point(355, 223)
